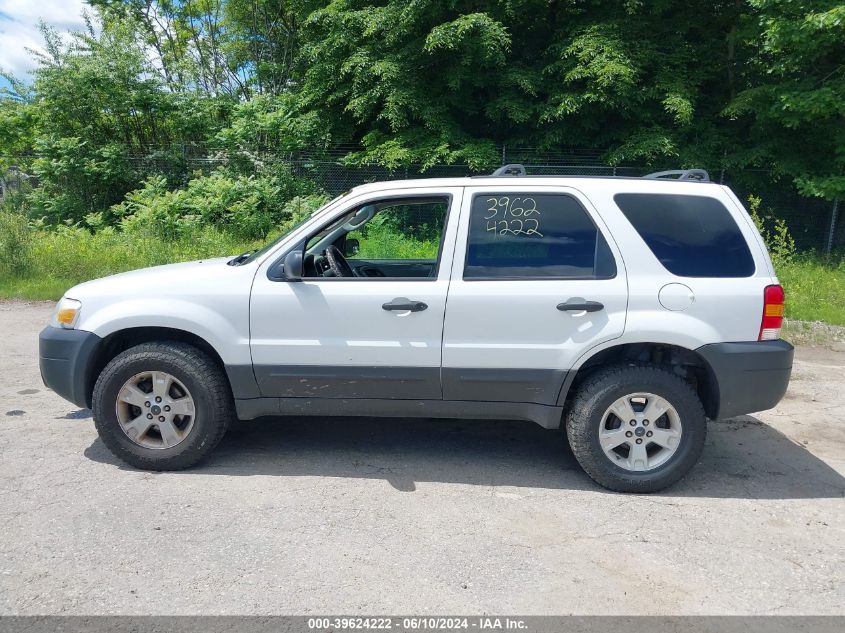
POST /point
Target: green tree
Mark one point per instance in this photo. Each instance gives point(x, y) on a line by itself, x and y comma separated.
point(98, 118)
point(219, 47)
point(793, 105)
point(425, 82)
point(264, 40)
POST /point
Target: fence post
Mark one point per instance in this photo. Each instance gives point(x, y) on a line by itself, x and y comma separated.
point(503, 155)
point(834, 212)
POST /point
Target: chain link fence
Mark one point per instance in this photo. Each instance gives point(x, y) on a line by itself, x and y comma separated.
point(14, 181)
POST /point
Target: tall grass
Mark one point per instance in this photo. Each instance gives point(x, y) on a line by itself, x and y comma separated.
point(815, 288)
point(53, 261)
point(382, 243)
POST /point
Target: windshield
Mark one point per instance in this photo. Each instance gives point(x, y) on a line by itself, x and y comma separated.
point(269, 246)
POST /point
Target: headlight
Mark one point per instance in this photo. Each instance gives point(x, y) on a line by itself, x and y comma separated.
point(66, 314)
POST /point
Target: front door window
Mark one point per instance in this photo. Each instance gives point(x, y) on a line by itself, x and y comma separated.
point(392, 239)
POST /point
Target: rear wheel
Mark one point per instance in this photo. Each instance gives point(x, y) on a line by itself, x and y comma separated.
point(162, 406)
point(636, 429)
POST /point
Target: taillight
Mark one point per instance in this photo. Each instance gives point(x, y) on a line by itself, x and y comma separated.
point(773, 300)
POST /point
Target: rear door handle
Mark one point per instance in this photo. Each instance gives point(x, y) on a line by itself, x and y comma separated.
point(580, 306)
point(404, 305)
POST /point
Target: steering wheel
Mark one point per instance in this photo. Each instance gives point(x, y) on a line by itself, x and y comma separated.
point(337, 262)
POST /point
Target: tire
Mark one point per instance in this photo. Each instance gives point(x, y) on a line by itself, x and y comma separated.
point(208, 389)
point(590, 415)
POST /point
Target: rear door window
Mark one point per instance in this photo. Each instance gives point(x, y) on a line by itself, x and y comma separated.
point(534, 236)
point(692, 236)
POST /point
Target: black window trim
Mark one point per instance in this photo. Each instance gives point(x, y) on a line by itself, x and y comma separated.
point(273, 269)
point(532, 278)
point(688, 195)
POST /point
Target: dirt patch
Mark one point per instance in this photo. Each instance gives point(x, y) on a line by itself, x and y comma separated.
point(815, 333)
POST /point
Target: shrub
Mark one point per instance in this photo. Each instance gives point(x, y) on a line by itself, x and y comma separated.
point(154, 211)
point(15, 243)
point(248, 207)
point(299, 208)
point(775, 233)
point(76, 178)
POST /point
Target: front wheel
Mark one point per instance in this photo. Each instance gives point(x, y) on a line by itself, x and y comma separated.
point(636, 429)
point(162, 406)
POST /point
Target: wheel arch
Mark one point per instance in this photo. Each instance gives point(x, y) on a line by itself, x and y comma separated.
point(121, 340)
point(686, 363)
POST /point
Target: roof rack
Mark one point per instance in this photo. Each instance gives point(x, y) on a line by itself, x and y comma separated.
point(699, 175)
point(510, 170)
point(695, 175)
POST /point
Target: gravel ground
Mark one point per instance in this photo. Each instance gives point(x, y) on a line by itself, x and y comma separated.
point(368, 516)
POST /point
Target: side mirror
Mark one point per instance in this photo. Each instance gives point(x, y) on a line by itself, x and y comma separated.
point(352, 247)
point(293, 266)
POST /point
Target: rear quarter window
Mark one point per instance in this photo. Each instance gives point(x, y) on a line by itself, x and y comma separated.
point(692, 236)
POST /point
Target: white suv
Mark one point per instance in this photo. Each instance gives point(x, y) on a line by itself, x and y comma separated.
point(627, 310)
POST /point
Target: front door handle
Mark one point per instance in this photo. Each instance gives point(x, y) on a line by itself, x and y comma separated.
point(580, 306)
point(404, 305)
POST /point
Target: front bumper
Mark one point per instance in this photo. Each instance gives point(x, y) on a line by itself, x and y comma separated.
point(65, 358)
point(750, 376)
